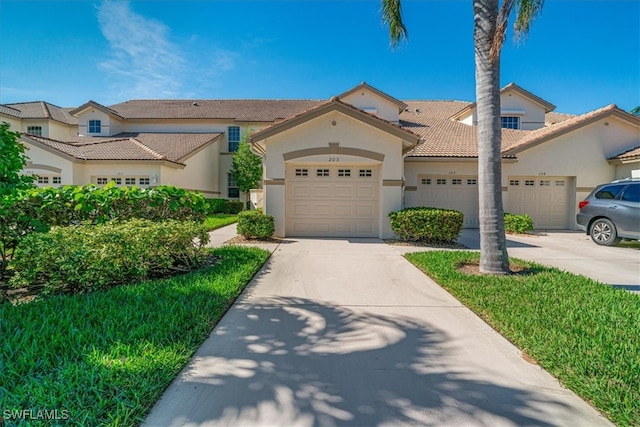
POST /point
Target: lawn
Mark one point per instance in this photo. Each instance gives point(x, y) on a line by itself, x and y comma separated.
point(106, 357)
point(584, 333)
point(219, 220)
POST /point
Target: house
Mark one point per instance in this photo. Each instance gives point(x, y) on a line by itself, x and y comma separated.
point(337, 167)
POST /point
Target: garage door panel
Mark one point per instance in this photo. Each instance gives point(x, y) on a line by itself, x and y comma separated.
point(544, 199)
point(338, 203)
point(459, 193)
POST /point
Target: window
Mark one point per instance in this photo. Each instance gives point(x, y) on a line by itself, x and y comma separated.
point(529, 183)
point(118, 181)
point(102, 181)
point(233, 137)
point(43, 180)
point(472, 181)
point(56, 180)
point(510, 122)
point(365, 173)
point(632, 193)
point(514, 182)
point(144, 181)
point(95, 126)
point(130, 181)
point(425, 181)
point(233, 192)
point(545, 183)
point(559, 183)
point(344, 172)
point(609, 191)
point(302, 172)
point(34, 130)
point(441, 181)
point(322, 172)
point(456, 181)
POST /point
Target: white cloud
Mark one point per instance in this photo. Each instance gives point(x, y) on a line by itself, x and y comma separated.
point(143, 61)
point(146, 61)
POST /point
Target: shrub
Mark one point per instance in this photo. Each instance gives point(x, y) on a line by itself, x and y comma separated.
point(77, 204)
point(426, 224)
point(88, 257)
point(519, 224)
point(232, 207)
point(215, 206)
point(255, 224)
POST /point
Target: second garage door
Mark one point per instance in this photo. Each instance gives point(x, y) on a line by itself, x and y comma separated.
point(459, 193)
point(544, 199)
point(332, 201)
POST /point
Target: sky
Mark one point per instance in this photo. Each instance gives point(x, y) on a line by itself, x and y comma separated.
point(579, 55)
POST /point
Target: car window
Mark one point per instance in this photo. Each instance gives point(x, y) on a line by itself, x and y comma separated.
point(609, 191)
point(632, 193)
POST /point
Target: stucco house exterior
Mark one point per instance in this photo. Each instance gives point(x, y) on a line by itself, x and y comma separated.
point(337, 167)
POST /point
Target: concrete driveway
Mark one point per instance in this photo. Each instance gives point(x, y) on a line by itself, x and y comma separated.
point(335, 332)
point(573, 251)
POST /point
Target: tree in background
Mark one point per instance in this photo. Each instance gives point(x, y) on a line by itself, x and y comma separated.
point(636, 111)
point(490, 26)
point(246, 168)
point(12, 161)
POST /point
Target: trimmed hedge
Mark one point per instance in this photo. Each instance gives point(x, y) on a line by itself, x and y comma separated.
point(517, 224)
point(427, 224)
point(255, 224)
point(89, 257)
point(215, 206)
point(232, 207)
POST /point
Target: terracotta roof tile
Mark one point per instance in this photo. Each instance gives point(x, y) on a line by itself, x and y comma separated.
point(172, 147)
point(632, 154)
point(9, 111)
point(44, 110)
point(249, 110)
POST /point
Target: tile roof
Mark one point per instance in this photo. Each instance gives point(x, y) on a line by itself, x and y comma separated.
point(632, 154)
point(44, 110)
point(4, 109)
point(443, 137)
point(543, 134)
point(172, 147)
point(247, 110)
point(552, 117)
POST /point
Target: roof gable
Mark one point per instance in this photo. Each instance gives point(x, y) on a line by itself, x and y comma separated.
point(367, 88)
point(94, 105)
point(334, 104)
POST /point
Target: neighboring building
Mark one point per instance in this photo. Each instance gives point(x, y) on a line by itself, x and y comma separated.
point(338, 167)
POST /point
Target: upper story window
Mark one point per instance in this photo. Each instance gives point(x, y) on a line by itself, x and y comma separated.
point(233, 136)
point(34, 130)
point(95, 126)
point(510, 122)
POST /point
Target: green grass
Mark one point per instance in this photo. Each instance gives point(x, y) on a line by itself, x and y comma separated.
point(584, 333)
point(106, 357)
point(219, 220)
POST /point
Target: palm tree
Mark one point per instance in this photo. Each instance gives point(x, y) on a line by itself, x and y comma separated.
point(490, 25)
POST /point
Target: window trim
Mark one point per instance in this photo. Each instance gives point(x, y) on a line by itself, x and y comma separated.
point(510, 122)
point(233, 144)
point(94, 126)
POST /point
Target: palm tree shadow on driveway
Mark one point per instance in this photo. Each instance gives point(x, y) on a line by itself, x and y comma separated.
point(297, 362)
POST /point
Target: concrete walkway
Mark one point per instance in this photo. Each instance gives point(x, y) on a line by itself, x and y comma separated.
point(346, 332)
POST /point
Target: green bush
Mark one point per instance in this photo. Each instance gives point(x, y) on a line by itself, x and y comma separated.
point(215, 206)
point(89, 257)
point(89, 203)
point(426, 224)
point(518, 224)
point(232, 207)
point(255, 224)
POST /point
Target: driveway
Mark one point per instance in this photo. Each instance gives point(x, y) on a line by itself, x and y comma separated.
point(339, 332)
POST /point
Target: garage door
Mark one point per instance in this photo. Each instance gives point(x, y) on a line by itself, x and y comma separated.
point(544, 199)
point(332, 201)
point(456, 192)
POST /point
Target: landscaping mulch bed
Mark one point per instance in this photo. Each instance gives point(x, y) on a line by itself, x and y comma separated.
point(439, 245)
point(241, 239)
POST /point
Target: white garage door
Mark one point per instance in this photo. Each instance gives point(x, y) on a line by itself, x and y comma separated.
point(545, 199)
point(332, 201)
point(455, 192)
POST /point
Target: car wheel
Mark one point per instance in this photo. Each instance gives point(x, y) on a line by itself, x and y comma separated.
point(603, 232)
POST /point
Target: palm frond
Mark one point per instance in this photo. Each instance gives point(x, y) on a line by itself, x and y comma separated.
point(392, 17)
point(526, 12)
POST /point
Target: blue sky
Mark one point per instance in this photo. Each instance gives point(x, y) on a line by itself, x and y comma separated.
point(580, 55)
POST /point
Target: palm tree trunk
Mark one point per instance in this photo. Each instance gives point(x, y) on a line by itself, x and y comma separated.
point(493, 248)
